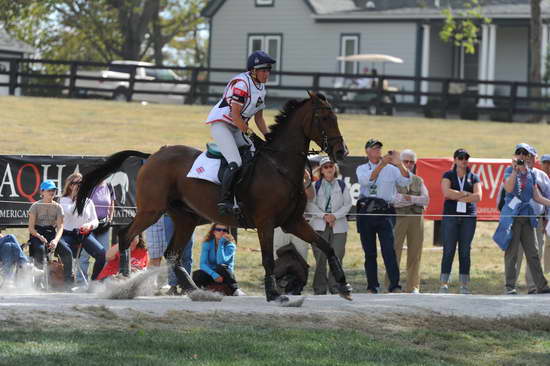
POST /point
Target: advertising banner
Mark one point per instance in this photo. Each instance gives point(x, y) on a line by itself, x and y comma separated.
point(491, 175)
point(21, 175)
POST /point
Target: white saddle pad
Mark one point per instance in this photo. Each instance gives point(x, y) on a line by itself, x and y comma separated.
point(205, 168)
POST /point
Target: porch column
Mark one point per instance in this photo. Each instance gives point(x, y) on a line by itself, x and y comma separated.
point(544, 50)
point(424, 86)
point(482, 68)
point(491, 63)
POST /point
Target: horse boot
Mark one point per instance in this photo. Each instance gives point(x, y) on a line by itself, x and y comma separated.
point(225, 206)
point(344, 288)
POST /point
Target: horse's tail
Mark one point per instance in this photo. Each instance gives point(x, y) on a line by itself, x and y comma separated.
point(101, 172)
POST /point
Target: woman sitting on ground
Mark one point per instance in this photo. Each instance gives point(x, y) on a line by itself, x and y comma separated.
point(218, 261)
point(139, 258)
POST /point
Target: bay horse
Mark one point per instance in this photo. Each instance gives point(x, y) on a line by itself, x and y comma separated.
point(273, 194)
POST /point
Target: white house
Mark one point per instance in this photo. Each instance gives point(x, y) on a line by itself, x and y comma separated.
point(309, 35)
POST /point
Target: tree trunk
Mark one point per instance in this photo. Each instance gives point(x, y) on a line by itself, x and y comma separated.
point(536, 47)
point(134, 18)
point(158, 43)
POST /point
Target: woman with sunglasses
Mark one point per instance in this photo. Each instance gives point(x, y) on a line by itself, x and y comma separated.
point(218, 261)
point(461, 189)
point(78, 228)
point(46, 229)
point(328, 208)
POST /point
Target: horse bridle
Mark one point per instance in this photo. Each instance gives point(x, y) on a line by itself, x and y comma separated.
point(316, 122)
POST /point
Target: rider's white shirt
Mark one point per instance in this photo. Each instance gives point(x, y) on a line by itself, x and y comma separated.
point(240, 88)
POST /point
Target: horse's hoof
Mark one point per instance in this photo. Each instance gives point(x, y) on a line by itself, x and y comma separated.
point(346, 296)
point(345, 291)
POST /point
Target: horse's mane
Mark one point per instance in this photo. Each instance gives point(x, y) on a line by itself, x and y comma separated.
point(284, 115)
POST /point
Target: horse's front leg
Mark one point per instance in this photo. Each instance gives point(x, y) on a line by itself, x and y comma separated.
point(304, 231)
point(265, 234)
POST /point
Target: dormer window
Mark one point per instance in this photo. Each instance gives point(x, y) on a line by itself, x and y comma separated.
point(265, 3)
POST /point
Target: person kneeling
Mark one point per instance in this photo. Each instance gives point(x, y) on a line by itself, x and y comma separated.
point(217, 262)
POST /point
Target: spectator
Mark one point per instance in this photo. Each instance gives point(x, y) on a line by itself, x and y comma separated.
point(103, 197)
point(545, 161)
point(461, 189)
point(139, 259)
point(218, 260)
point(328, 208)
point(78, 228)
point(409, 205)
point(378, 179)
point(543, 184)
point(46, 229)
point(518, 222)
point(158, 237)
point(12, 257)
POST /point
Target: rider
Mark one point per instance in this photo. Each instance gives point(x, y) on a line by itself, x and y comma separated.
point(243, 97)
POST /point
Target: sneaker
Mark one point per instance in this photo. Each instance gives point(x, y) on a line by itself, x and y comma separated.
point(372, 291)
point(511, 291)
point(545, 290)
point(395, 290)
point(465, 290)
point(444, 289)
point(239, 292)
point(532, 291)
point(415, 291)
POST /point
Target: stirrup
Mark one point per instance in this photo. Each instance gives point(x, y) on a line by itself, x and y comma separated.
point(226, 209)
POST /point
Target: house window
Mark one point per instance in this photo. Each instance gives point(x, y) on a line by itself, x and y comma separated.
point(349, 45)
point(270, 44)
point(265, 2)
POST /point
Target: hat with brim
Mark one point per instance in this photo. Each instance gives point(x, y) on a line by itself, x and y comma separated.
point(545, 158)
point(47, 185)
point(325, 160)
point(373, 143)
point(461, 152)
point(530, 149)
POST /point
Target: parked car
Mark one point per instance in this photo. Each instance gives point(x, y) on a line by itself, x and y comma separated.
point(119, 89)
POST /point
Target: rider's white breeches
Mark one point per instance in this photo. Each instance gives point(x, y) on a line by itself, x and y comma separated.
point(229, 138)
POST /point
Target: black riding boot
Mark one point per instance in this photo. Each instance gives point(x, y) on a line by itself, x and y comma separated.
point(225, 206)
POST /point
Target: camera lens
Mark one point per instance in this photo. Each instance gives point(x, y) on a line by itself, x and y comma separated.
point(520, 162)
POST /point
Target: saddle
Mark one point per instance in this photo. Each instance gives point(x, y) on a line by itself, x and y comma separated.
point(213, 152)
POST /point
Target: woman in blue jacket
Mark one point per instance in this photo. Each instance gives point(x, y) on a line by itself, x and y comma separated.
point(218, 260)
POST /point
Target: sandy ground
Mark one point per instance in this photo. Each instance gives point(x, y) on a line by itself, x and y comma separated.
point(478, 306)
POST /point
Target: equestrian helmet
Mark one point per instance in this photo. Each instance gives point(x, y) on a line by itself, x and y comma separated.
point(259, 60)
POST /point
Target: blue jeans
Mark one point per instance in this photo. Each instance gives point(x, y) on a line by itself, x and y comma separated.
point(457, 230)
point(369, 227)
point(37, 251)
point(187, 255)
point(90, 244)
point(103, 239)
point(11, 255)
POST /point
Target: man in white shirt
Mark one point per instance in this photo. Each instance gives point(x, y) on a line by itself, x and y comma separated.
point(378, 179)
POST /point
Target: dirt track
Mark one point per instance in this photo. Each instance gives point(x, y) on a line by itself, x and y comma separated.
point(370, 305)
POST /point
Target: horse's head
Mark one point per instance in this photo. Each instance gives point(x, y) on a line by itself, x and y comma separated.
point(323, 128)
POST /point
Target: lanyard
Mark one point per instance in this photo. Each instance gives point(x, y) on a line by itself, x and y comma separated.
point(461, 183)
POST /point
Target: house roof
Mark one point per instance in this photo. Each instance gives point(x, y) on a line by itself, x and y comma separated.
point(8, 43)
point(403, 9)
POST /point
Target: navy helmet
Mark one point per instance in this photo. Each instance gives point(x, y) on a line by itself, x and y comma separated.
point(259, 60)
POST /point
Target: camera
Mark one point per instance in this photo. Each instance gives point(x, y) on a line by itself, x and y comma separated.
point(520, 162)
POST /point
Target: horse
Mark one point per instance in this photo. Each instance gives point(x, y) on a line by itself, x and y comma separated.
point(272, 195)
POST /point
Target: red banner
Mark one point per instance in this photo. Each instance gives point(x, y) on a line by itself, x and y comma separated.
point(491, 175)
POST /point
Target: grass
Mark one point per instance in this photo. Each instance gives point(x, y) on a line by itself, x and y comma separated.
point(245, 339)
point(92, 127)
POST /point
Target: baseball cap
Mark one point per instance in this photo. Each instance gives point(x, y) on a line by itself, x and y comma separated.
point(373, 143)
point(324, 160)
point(530, 149)
point(47, 185)
point(460, 152)
point(545, 157)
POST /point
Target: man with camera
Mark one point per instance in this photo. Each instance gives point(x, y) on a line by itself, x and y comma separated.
point(518, 220)
point(378, 179)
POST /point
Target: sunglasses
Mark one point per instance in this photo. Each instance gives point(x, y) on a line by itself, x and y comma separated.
point(409, 162)
point(463, 157)
point(328, 166)
point(76, 183)
point(219, 229)
point(522, 152)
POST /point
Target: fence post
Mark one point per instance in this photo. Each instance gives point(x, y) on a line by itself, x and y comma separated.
point(14, 65)
point(315, 86)
point(445, 98)
point(513, 100)
point(190, 99)
point(132, 83)
point(72, 80)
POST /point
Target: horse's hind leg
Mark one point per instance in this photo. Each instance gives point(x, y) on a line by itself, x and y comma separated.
point(304, 231)
point(142, 221)
point(184, 225)
point(265, 234)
